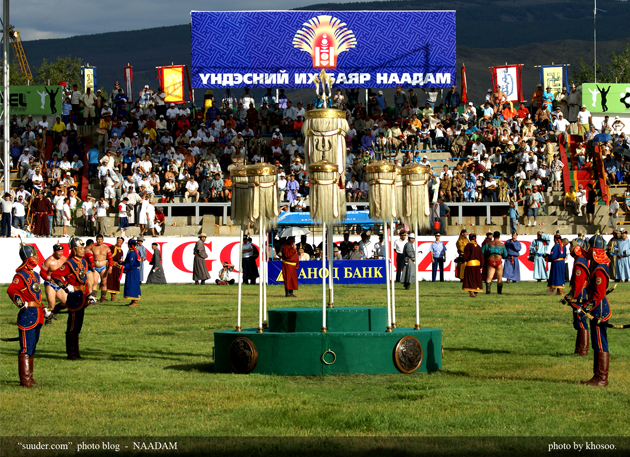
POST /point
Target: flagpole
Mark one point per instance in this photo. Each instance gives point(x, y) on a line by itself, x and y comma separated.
point(264, 270)
point(393, 279)
point(5, 93)
point(331, 300)
point(415, 265)
point(324, 328)
point(261, 274)
point(387, 276)
point(240, 282)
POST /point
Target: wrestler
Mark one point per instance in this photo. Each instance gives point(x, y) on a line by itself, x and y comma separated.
point(89, 258)
point(103, 264)
point(494, 252)
point(51, 264)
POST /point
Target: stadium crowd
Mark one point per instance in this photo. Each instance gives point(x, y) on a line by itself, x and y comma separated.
point(154, 151)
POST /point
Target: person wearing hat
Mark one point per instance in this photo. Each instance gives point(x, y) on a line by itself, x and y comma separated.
point(473, 262)
point(25, 293)
point(290, 264)
point(557, 259)
point(225, 275)
point(574, 100)
point(133, 275)
point(200, 270)
point(578, 293)
point(75, 294)
point(547, 99)
point(460, 244)
point(584, 121)
point(599, 306)
point(537, 98)
point(142, 250)
point(409, 266)
point(438, 254)
point(156, 275)
point(399, 247)
point(113, 278)
point(145, 97)
point(622, 255)
point(7, 211)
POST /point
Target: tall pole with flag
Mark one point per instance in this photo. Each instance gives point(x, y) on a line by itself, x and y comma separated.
point(464, 94)
point(5, 93)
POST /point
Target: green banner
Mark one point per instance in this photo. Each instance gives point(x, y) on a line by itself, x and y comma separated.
point(35, 100)
point(606, 98)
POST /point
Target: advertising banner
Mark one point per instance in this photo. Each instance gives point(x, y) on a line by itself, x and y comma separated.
point(554, 76)
point(177, 258)
point(606, 98)
point(35, 100)
point(172, 80)
point(344, 272)
point(360, 49)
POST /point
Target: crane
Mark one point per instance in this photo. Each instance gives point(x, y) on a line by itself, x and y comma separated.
point(18, 53)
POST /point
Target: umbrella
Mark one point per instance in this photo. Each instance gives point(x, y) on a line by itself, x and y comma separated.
point(540, 139)
point(602, 138)
point(293, 231)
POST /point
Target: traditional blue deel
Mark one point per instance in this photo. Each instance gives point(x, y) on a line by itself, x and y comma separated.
point(345, 272)
point(360, 49)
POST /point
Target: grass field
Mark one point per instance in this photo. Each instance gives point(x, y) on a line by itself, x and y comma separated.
point(508, 370)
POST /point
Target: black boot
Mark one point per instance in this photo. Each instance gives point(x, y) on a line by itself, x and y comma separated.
point(72, 346)
point(286, 293)
point(500, 288)
point(488, 288)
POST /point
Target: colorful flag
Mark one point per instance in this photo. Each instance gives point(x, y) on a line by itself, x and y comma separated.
point(128, 77)
point(554, 76)
point(464, 94)
point(89, 77)
point(508, 79)
point(172, 82)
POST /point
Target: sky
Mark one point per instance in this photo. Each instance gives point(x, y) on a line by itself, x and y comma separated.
point(41, 19)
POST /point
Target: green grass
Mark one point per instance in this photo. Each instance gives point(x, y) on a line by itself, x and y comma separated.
point(508, 370)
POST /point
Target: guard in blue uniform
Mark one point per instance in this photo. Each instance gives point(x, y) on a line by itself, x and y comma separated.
point(577, 297)
point(131, 267)
point(26, 293)
point(72, 277)
point(557, 259)
point(597, 304)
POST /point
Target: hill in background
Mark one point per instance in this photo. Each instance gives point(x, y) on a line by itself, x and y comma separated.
point(530, 32)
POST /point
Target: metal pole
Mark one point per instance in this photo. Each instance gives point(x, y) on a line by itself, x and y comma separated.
point(260, 275)
point(387, 276)
point(5, 101)
point(595, 41)
point(264, 269)
point(324, 329)
point(415, 265)
point(331, 255)
point(393, 277)
point(240, 282)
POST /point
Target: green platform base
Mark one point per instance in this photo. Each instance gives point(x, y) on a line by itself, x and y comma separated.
point(294, 345)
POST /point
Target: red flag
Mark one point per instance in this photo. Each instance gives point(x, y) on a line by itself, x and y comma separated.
point(128, 77)
point(464, 94)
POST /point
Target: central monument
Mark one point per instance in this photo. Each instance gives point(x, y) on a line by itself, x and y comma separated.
point(332, 339)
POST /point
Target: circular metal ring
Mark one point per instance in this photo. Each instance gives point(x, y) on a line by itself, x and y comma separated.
point(324, 357)
point(243, 355)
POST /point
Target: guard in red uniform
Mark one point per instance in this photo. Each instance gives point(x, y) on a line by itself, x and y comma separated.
point(72, 277)
point(597, 304)
point(290, 264)
point(577, 297)
point(26, 293)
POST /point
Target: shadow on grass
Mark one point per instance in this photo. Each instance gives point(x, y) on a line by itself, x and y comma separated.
point(478, 350)
point(201, 367)
point(96, 354)
point(493, 377)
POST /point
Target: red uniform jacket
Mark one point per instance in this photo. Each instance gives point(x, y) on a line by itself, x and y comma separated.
point(290, 264)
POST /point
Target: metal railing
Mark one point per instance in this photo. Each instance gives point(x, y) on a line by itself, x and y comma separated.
point(170, 206)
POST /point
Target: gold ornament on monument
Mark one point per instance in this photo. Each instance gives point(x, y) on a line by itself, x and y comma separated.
point(263, 183)
point(325, 129)
point(241, 196)
point(415, 211)
point(328, 203)
point(381, 176)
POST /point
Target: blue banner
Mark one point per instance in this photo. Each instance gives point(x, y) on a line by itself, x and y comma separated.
point(344, 272)
point(360, 49)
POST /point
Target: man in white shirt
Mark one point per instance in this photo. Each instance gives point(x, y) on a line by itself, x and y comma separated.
point(581, 199)
point(192, 190)
point(560, 125)
point(19, 212)
point(101, 217)
point(88, 99)
point(584, 121)
point(399, 247)
point(613, 211)
point(298, 205)
point(478, 148)
point(58, 205)
point(88, 216)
